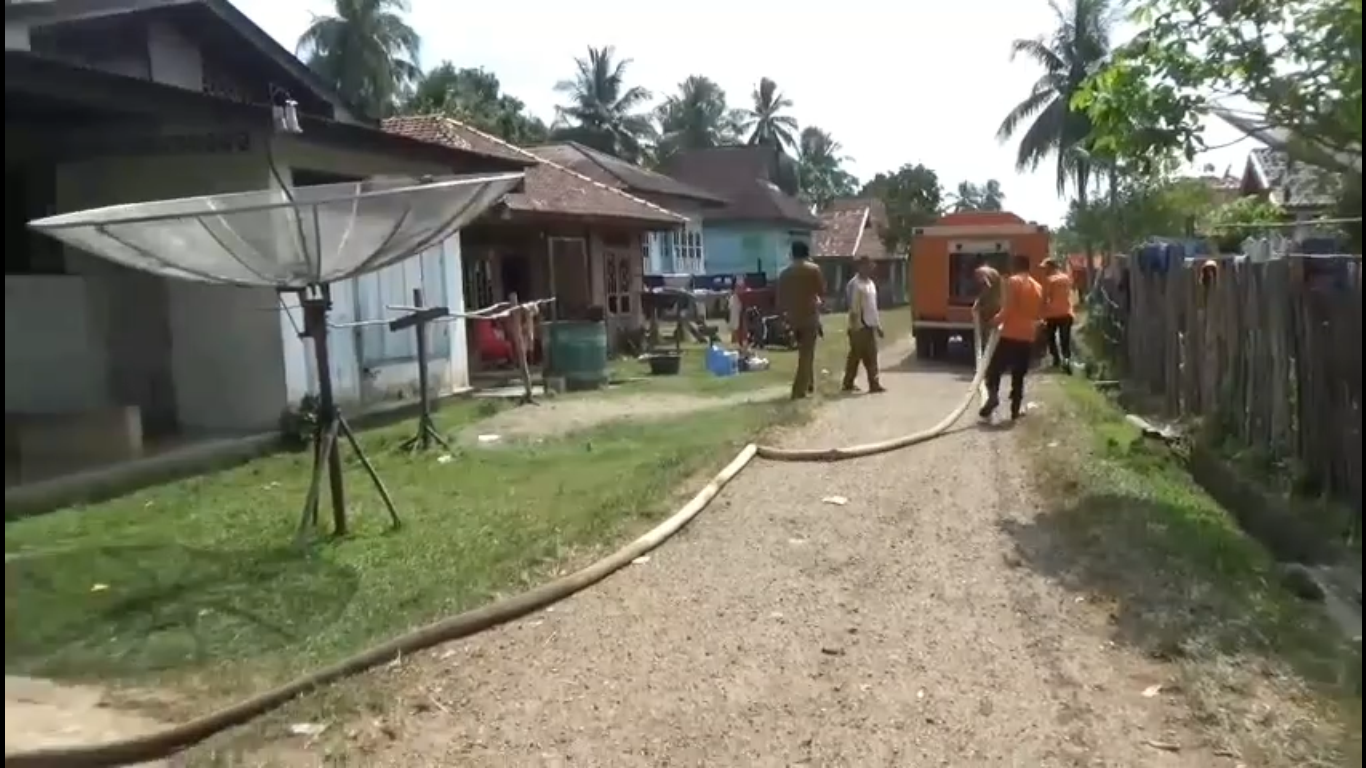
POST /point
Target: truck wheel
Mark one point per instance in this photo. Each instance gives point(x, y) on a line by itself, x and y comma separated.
point(922, 345)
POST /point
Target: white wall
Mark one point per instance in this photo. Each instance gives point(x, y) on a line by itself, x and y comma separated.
point(373, 364)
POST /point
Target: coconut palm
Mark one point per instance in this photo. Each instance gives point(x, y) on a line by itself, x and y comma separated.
point(965, 197)
point(765, 121)
point(820, 165)
point(603, 111)
point(992, 196)
point(365, 50)
point(1078, 46)
point(697, 117)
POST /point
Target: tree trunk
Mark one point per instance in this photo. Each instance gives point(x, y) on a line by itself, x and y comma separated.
point(1083, 177)
point(1113, 246)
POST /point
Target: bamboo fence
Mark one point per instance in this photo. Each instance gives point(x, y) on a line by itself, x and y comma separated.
point(1269, 352)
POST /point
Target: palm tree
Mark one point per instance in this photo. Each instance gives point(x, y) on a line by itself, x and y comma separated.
point(603, 112)
point(365, 50)
point(1077, 48)
point(696, 118)
point(820, 165)
point(765, 121)
point(992, 196)
point(966, 197)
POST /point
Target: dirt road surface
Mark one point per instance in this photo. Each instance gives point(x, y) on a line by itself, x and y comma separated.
point(897, 629)
point(40, 714)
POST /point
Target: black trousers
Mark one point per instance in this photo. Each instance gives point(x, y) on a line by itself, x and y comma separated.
point(1059, 330)
point(1012, 356)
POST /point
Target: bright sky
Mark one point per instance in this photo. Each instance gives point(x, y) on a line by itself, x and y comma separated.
point(894, 83)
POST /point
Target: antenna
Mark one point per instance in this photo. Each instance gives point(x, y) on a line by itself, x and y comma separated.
point(295, 240)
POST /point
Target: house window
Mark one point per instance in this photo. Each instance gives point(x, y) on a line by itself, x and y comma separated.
point(618, 267)
point(686, 248)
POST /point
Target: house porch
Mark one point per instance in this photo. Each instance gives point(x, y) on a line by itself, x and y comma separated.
point(591, 270)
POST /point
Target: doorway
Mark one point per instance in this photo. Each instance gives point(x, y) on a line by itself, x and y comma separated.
point(516, 276)
point(572, 292)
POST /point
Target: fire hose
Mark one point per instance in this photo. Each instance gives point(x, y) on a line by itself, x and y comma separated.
point(171, 740)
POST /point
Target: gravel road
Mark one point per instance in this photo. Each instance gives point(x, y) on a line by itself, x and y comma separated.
point(898, 629)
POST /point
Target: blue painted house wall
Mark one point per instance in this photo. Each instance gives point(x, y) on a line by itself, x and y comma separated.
point(743, 247)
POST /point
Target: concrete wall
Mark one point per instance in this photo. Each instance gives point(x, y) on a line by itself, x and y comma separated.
point(740, 247)
point(202, 357)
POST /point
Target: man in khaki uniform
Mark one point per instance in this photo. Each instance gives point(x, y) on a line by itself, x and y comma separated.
point(801, 287)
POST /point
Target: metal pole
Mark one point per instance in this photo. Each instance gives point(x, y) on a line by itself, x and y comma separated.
point(424, 399)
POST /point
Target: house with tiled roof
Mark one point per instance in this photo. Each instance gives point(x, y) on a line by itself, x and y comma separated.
point(112, 102)
point(562, 234)
point(682, 251)
point(851, 229)
point(1280, 172)
point(762, 217)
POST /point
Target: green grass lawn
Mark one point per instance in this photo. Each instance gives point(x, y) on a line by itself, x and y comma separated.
point(196, 585)
point(1185, 584)
point(694, 377)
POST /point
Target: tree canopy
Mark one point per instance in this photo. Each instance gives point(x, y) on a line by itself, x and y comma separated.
point(1298, 62)
point(603, 110)
point(913, 199)
point(366, 51)
point(972, 197)
point(475, 97)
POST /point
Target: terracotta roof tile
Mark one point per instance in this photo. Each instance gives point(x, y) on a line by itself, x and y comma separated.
point(852, 228)
point(839, 233)
point(549, 187)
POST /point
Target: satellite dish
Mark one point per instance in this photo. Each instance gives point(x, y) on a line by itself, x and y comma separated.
point(299, 239)
point(284, 239)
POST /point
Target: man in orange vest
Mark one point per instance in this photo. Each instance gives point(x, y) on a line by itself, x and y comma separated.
point(1057, 315)
point(1021, 307)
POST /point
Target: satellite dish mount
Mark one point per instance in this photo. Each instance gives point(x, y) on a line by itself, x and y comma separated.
point(316, 302)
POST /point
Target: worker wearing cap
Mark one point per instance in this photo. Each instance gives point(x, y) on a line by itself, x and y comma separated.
point(801, 288)
point(1057, 315)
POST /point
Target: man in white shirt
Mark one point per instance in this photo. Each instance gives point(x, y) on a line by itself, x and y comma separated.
point(865, 328)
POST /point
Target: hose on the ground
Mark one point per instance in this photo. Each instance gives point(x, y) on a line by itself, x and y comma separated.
point(162, 744)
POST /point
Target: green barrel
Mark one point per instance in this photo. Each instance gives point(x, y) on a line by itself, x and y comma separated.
point(578, 353)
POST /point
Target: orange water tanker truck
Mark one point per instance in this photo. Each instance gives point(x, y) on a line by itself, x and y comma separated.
point(943, 257)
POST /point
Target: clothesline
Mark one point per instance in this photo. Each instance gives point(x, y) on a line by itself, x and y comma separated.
point(493, 312)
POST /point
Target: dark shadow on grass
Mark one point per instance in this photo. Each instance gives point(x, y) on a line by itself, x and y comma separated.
point(1182, 581)
point(126, 610)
